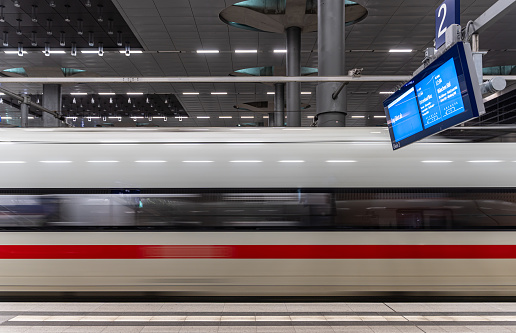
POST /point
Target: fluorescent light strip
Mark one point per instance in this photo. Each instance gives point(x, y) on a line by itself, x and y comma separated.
point(306, 93)
point(12, 162)
point(436, 161)
point(291, 161)
point(134, 93)
point(79, 93)
point(265, 117)
point(340, 161)
point(225, 117)
point(376, 132)
point(107, 93)
point(310, 117)
point(246, 51)
point(57, 52)
point(132, 51)
point(203, 117)
point(219, 93)
point(208, 51)
point(197, 161)
point(379, 116)
point(102, 161)
point(90, 51)
point(271, 93)
point(400, 50)
point(280, 51)
point(56, 161)
point(247, 117)
point(150, 161)
point(485, 161)
point(190, 93)
point(7, 117)
point(14, 52)
point(246, 161)
point(357, 116)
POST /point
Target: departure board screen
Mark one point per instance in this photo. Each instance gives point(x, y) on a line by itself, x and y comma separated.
point(444, 94)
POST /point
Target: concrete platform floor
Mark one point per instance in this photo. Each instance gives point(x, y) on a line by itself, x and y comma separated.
point(258, 317)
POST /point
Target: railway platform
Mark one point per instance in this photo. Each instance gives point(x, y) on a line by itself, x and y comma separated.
point(257, 317)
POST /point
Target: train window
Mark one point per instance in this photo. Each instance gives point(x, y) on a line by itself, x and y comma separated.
point(268, 209)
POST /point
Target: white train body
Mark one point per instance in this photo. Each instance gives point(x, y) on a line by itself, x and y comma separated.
point(250, 211)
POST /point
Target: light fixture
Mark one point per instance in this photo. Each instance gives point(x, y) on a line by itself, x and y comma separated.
point(110, 100)
point(91, 41)
point(5, 38)
point(80, 29)
point(33, 40)
point(34, 17)
point(134, 93)
point(219, 93)
point(101, 49)
point(271, 93)
point(2, 17)
point(56, 161)
point(16, 3)
point(357, 116)
point(110, 27)
point(74, 101)
point(280, 51)
point(88, 3)
point(92, 100)
point(52, 3)
point(247, 117)
point(306, 93)
point(400, 50)
point(379, 116)
point(225, 117)
point(119, 38)
point(49, 27)
point(47, 49)
point(73, 51)
point(246, 51)
point(207, 51)
point(147, 100)
point(127, 49)
point(20, 49)
point(62, 41)
point(203, 117)
point(100, 18)
point(67, 15)
point(190, 93)
point(18, 29)
point(90, 51)
point(129, 100)
point(485, 161)
point(78, 93)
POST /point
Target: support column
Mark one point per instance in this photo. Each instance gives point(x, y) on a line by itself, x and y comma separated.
point(279, 104)
point(294, 69)
point(270, 120)
point(51, 100)
point(477, 57)
point(331, 16)
point(24, 108)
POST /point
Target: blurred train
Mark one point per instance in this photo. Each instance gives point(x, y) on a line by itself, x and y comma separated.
point(254, 211)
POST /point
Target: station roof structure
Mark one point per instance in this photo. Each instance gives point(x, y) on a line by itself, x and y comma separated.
point(170, 34)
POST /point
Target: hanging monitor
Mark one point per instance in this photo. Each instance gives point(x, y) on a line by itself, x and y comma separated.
point(444, 94)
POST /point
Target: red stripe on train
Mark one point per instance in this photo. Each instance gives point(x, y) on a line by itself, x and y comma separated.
point(258, 251)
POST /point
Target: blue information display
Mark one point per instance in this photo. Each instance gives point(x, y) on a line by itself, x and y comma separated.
point(444, 94)
point(439, 95)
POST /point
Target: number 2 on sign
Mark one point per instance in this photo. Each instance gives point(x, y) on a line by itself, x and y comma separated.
point(441, 30)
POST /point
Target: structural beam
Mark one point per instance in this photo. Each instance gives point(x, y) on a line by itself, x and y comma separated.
point(490, 16)
point(223, 79)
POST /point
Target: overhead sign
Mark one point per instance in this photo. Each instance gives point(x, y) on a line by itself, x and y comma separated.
point(444, 94)
point(446, 14)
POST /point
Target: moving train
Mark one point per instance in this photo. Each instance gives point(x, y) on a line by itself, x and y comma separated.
point(254, 212)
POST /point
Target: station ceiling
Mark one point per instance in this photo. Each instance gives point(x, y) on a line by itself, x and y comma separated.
point(169, 32)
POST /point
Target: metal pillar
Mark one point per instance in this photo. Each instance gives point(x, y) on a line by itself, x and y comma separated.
point(477, 57)
point(279, 104)
point(331, 16)
point(51, 100)
point(293, 69)
point(270, 120)
point(24, 108)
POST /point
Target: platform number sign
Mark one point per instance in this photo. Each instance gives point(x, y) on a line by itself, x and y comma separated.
point(446, 14)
